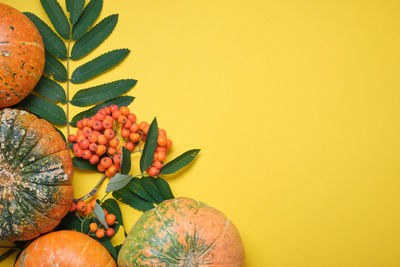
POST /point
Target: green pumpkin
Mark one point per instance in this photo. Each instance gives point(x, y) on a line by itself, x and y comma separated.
point(35, 176)
point(182, 232)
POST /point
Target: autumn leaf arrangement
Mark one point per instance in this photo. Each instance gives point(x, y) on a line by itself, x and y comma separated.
point(107, 133)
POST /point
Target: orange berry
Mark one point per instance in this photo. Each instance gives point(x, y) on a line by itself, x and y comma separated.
point(90, 122)
point(117, 159)
point(110, 172)
point(130, 146)
point(101, 149)
point(124, 110)
point(132, 117)
point(169, 143)
point(81, 206)
point(77, 150)
point(88, 210)
point(79, 124)
point(162, 141)
point(102, 140)
point(110, 232)
point(107, 110)
point(160, 156)
point(114, 142)
point(100, 233)
point(86, 154)
point(79, 138)
point(97, 125)
point(146, 129)
point(153, 171)
point(122, 119)
point(106, 162)
point(94, 159)
point(158, 164)
point(160, 148)
point(100, 168)
point(87, 131)
point(113, 107)
point(93, 203)
point(93, 227)
point(142, 125)
point(118, 167)
point(85, 122)
point(73, 207)
point(93, 147)
point(111, 150)
point(107, 124)
point(115, 114)
point(109, 133)
point(79, 132)
point(125, 132)
point(100, 116)
point(84, 143)
point(134, 128)
point(105, 212)
point(127, 124)
point(72, 138)
point(110, 219)
point(134, 137)
point(162, 132)
point(92, 138)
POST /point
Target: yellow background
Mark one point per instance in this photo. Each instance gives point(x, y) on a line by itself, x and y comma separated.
point(295, 105)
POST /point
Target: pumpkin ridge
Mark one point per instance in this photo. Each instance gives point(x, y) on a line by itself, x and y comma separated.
point(27, 188)
point(23, 208)
point(10, 88)
point(8, 13)
point(7, 125)
point(83, 251)
point(212, 245)
point(6, 223)
point(11, 65)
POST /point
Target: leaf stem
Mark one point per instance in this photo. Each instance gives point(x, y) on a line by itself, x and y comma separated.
point(68, 80)
point(94, 190)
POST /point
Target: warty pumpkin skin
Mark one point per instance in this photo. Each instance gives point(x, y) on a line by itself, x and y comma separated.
point(35, 176)
point(182, 232)
point(65, 249)
point(22, 56)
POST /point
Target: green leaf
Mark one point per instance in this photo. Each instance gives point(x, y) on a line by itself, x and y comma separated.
point(126, 161)
point(44, 109)
point(164, 188)
point(98, 65)
point(149, 146)
point(111, 205)
point(94, 37)
point(100, 93)
point(119, 101)
point(100, 215)
point(50, 90)
point(118, 248)
point(55, 68)
point(179, 162)
point(106, 242)
point(127, 197)
point(149, 184)
point(51, 41)
point(87, 18)
point(61, 134)
point(117, 182)
point(136, 187)
point(57, 17)
point(83, 164)
point(74, 7)
point(72, 222)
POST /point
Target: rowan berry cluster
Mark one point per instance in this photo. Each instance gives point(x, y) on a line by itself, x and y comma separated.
point(86, 209)
point(97, 141)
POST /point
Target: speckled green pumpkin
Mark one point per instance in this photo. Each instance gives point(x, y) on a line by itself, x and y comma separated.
point(182, 232)
point(35, 176)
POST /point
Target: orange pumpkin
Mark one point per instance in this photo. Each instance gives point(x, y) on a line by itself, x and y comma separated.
point(35, 176)
point(182, 232)
point(22, 56)
point(65, 249)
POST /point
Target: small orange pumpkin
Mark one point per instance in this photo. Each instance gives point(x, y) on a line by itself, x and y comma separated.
point(22, 56)
point(182, 232)
point(65, 249)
